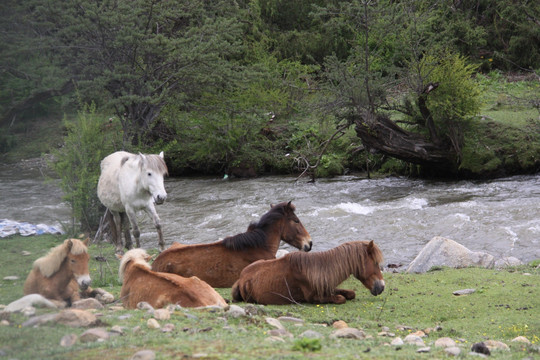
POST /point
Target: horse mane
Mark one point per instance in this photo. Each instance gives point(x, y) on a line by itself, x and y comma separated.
point(156, 163)
point(255, 236)
point(327, 269)
point(50, 263)
point(138, 256)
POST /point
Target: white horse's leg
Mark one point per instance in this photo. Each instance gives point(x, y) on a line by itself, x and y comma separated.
point(151, 211)
point(117, 220)
point(132, 216)
point(127, 233)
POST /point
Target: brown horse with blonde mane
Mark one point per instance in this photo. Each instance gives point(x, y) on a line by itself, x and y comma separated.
point(140, 283)
point(220, 263)
point(61, 273)
point(313, 278)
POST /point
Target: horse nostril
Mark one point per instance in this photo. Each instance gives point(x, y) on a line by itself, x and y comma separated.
point(307, 247)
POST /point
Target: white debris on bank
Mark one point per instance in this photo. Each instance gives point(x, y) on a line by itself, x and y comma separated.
point(10, 227)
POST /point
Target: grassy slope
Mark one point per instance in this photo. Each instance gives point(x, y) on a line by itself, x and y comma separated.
point(504, 306)
point(505, 138)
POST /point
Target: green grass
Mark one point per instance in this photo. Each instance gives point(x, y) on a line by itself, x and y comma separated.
point(505, 305)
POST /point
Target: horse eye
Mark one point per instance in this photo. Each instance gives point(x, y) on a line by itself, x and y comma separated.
point(72, 261)
point(296, 221)
point(149, 174)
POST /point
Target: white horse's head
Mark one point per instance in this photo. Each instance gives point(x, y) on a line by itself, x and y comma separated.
point(153, 169)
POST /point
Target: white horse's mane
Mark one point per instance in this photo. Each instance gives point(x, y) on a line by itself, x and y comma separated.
point(138, 256)
point(50, 263)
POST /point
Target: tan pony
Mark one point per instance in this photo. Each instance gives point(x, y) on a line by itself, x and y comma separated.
point(61, 273)
point(311, 277)
point(140, 283)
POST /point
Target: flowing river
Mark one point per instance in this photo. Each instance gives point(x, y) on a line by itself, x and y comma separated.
point(501, 217)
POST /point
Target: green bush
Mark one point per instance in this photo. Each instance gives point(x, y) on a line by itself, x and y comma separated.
point(89, 139)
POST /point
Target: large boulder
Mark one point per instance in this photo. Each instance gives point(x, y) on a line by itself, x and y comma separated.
point(440, 251)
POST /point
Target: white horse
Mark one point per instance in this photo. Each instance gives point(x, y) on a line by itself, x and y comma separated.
point(129, 183)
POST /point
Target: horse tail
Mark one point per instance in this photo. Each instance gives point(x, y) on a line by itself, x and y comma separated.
point(236, 294)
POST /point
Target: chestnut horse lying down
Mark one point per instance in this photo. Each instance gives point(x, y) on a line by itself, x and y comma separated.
point(140, 283)
point(61, 273)
point(299, 277)
point(220, 263)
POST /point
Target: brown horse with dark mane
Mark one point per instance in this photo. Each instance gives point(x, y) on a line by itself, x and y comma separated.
point(220, 263)
point(313, 278)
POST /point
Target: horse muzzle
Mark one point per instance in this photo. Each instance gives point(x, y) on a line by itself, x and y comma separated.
point(160, 199)
point(84, 281)
point(377, 288)
point(307, 247)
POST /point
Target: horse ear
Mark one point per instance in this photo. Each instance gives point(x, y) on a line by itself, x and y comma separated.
point(69, 245)
point(86, 242)
point(370, 247)
point(118, 256)
point(161, 155)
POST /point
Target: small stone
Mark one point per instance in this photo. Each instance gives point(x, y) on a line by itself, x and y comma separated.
point(348, 333)
point(236, 311)
point(86, 304)
point(423, 349)
point(419, 333)
point(25, 253)
point(280, 333)
point(168, 328)
point(117, 329)
point(275, 339)
point(498, 345)
point(445, 342)
point(4, 323)
point(311, 334)
point(162, 314)
point(252, 309)
point(103, 296)
point(522, 339)
point(340, 324)
point(124, 317)
point(274, 322)
point(385, 328)
point(464, 292)
point(414, 339)
point(68, 340)
point(386, 333)
point(116, 308)
point(94, 334)
point(75, 318)
point(397, 342)
point(144, 355)
point(290, 319)
point(153, 324)
point(143, 305)
point(11, 278)
point(453, 350)
point(28, 311)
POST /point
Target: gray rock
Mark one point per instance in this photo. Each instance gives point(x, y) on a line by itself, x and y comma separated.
point(311, 334)
point(75, 318)
point(280, 333)
point(144, 355)
point(291, 319)
point(35, 300)
point(464, 292)
point(162, 314)
point(507, 262)
point(39, 320)
point(89, 303)
point(274, 322)
point(445, 342)
point(440, 251)
point(236, 311)
point(423, 349)
point(348, 333)
point(11, 278)
point(95, 334)
point(143, 305)
point(68, 340)
point(397, 341)
point(453, 350)
point(414, 339)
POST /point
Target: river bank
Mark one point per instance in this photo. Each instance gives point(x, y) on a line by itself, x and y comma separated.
point(413, 306)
